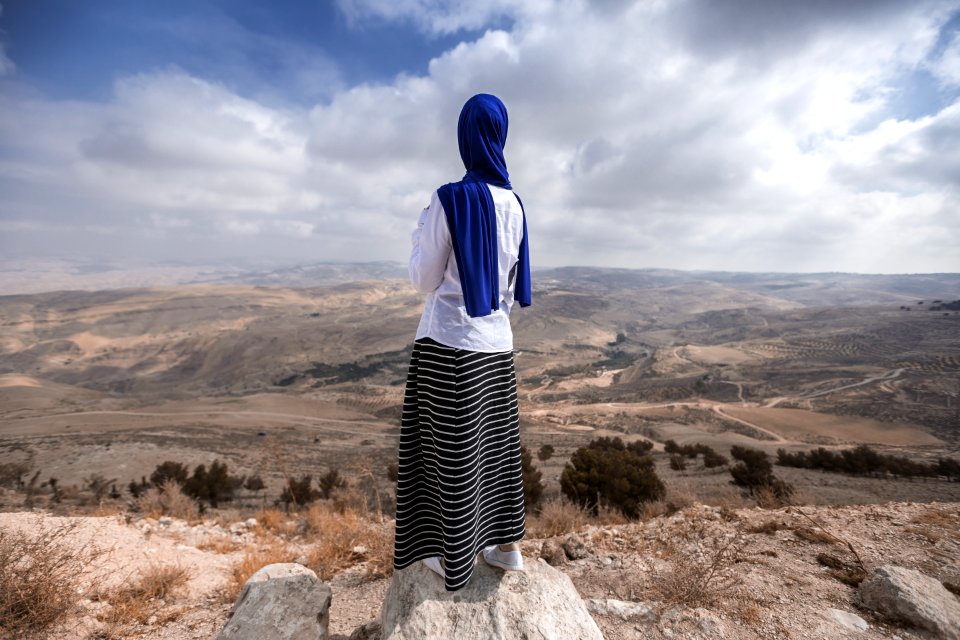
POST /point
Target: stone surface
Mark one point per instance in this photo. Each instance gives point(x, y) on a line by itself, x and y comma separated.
point(910, 596)
point(538, 603)
point(575, 548)
point(630, 611)
point(367, 631)
point(553, 553)
point(849, 620)
point(283, 601)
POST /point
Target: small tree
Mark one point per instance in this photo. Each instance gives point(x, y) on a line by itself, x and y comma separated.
point(169, 470)
point(299, 492)
point(532, 486)
point(329, 481)
point(755, 472)
point(607, 472)
point(215, 485)
point(545, 452)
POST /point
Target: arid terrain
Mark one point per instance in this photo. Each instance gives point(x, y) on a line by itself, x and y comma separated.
point(291, 372)
point(117, 381)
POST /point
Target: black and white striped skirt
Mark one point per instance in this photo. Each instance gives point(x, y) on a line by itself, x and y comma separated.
point(459, 482)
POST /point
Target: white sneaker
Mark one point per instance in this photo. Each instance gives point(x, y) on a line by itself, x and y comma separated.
point(511, 560)
point(434, 564)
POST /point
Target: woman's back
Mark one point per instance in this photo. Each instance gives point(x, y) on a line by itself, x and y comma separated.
point(433, 270)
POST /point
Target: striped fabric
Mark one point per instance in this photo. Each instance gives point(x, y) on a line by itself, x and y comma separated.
point(459, 483)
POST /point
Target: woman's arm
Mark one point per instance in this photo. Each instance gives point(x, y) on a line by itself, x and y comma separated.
point(431, 247)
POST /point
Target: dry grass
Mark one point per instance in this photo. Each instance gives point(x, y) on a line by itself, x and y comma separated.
point(931, 535)
point(700, 565)
point(727, 497)
point(145, 600)
point(937, 517)
point(252, 561)
point(817, 536)
point(769, 527)
point(557, 516)
point(342, 539)
point(273, 521)
point(40, 571)
point(168, 500)
point(220, 544)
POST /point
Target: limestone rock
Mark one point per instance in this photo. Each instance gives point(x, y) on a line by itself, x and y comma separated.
point(575, 547)
point(284, 601)
point(629, 611)
point(553, 553)
point(538, 603)
point(908, 595)
point(849, 620)
point(367, 631)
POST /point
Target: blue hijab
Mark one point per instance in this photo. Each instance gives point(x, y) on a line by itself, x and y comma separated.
point(470, 212)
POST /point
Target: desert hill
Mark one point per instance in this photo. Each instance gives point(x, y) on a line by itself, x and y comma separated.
point(125, 377)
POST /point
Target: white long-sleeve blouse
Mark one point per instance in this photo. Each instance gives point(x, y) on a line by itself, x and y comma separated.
point(433, 271)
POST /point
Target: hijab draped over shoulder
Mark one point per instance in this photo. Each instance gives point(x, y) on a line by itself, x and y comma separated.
point(469, 208)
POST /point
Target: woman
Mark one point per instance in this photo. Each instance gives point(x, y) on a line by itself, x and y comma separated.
point(459, 483)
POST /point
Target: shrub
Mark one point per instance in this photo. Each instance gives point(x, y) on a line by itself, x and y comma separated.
point(215, 485)
point(755, 472)
point(677, 463)
point(167, 500)
point(299, 493)
point(532, 486)
point(607, 473)
point(169, 471)
point(557, 516)
point(137, 602)
point(545, 452)
point(713, 459)
point(330, 481)
point(40, 573)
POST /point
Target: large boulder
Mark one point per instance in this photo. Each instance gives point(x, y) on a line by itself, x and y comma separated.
point(284, 601)
point(910, 596)
point(539, 603)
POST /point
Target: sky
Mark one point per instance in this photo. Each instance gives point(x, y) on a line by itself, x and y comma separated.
point(744, 135)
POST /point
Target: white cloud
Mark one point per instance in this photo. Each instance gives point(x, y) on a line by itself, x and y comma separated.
point(638, 137)
point(947, 67)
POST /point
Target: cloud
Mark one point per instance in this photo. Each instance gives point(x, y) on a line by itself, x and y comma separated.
point(947, 66)
point(433, 16)
point(639, 136)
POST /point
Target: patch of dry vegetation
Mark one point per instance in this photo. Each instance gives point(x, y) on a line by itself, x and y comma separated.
point(146, 600)
point(254, 559)
point(557, 517)
point(168, 500)
point(341, 539)
point(40, 575)
point(701, 565)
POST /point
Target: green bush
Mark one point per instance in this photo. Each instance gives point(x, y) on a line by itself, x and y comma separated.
point(755, 472)
point(169, 470)
point(608, 473)
point(532, 486)
point(299, 492)
point(545, 453)
point(215, 485)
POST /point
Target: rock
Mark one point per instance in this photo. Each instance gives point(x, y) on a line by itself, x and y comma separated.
point(629, 611)
point(250, 522)
point(908, 595)
point(553, 553)
point(367, 631)
point(575, 548)
point(539, 602)
point(849, 620)
point(284, 601)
